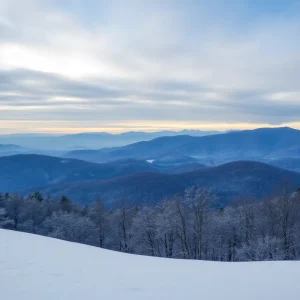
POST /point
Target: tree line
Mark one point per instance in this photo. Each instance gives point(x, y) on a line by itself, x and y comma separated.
point(188, 226)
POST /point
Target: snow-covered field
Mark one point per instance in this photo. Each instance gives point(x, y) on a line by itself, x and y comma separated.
point(37, 268)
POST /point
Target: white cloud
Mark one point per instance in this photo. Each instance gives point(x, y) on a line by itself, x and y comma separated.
point(286, 97)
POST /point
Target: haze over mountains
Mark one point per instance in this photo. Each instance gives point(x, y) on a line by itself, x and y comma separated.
point(265, 144)
point(234, 164)
point(292, 164)
point(259, 144)
point(89, 140)
point(10, 149)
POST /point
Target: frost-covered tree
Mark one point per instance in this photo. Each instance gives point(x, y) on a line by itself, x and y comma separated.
point(198, 200)
point(144, 232)
point(165, 228)
point(34, 213)
point(100, 217)
point(71, 227)
point(283, 212)
point(14, 205)
point(121, 220)
point(5, 221)
point(184, 226)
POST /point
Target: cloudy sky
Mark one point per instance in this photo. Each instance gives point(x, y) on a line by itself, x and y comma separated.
point(116, 65)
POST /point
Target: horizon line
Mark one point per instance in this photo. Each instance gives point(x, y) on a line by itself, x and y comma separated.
point(156, 130)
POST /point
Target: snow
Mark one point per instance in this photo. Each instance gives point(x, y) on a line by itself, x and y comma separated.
point(150, 161)
point(64, 161)
point(40, 268)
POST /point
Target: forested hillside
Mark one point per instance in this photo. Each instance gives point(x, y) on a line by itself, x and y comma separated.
point(227, 181)
point(188, 226)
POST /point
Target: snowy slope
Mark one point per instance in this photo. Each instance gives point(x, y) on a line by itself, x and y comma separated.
point(37, 268)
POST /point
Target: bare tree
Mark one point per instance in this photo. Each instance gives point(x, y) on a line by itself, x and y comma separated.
point(99, 215)
point(284, 211)
point(166, 232)
point(198, 201)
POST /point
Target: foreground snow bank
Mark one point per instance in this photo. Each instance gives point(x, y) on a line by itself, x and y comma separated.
point(40, 268)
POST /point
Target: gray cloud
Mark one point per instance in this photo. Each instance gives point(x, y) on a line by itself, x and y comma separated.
point(50, 96)
point(160, 61)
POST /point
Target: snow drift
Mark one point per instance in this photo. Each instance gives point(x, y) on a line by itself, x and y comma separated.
point(40, 268)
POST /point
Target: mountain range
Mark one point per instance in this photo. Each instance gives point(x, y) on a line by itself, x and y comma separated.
point(259, 144)
point(137, 181)
point(92, 140)
point(233, 164)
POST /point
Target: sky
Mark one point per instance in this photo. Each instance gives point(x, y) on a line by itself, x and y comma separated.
point(73, 66)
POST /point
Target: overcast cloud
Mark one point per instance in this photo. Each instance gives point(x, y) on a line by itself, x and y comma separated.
point(148, 65)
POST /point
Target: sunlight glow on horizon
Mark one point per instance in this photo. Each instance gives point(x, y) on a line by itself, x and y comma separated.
point(67, 127)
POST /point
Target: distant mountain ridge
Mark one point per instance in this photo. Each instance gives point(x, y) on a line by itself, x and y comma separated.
point(292, 164)
point(93, 140)
point(9, 147)
point(264, 143)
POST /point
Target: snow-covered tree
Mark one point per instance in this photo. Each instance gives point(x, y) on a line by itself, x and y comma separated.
point(5, 221)
point(100, 217)
point(34, 212)
point(144, 232)
point(71, 227)
point(14, 205)
point(198, 201)
point(165, 228)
